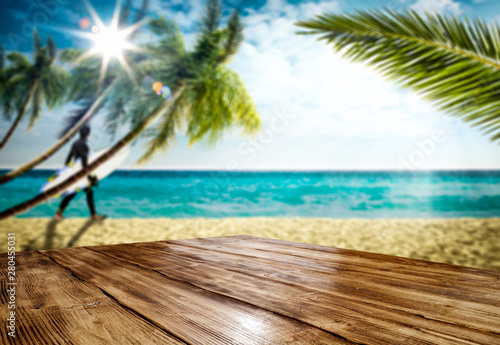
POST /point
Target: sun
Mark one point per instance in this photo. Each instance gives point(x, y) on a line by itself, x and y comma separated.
point(110, 42)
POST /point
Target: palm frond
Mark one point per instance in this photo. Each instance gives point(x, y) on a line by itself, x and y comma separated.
point(212, 18)
point(163, 136)
point(141, 108)
point(453, 63)
point(85, 80)
point(219, 101)
point(51, 45)
point(115, 115)
point(234, 37)
point(18, 61)
point(143, 11)
point(171, 42)
point(55, 85)
point(77, 114)
point(125, 14)
point(70, 55)
point(36, 103)
point(119, 99)
point(8, 95)
point(37, 41)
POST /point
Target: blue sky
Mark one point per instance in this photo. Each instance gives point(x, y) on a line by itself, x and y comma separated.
point(318, 110)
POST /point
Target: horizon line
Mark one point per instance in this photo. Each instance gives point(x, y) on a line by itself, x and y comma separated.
point(291, 170)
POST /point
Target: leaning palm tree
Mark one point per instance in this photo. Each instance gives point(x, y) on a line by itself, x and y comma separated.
point(82, 90)
point(207, 98)
point(32, 85)
point(452, 62)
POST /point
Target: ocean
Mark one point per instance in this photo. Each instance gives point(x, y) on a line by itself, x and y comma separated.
point(332, 194)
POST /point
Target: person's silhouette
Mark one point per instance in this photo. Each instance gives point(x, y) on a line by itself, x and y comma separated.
point(80, 149)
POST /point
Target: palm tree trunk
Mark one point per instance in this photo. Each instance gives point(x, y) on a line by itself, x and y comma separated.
point(127, 139)
point(60, 143)
point(19, 117)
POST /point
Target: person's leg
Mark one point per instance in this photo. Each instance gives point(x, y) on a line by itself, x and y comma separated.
point(64, 203)
point(90, 202)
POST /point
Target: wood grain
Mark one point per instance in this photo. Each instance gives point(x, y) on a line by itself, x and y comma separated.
point(350, 314)
point(195, 315)
point(55, 307)
point(246, 290)
point(422, 275)
point(436, 305)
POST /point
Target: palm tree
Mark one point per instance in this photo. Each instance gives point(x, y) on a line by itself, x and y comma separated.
point(208, 97)
point(33, 85)
point(82, 89)
point(452, 62)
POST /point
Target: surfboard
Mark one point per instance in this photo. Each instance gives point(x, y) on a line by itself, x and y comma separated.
point(101, 172)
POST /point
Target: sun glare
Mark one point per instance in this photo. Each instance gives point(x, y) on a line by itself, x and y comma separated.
point(110, 42)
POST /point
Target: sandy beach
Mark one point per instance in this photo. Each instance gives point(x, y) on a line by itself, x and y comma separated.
point(466, 241)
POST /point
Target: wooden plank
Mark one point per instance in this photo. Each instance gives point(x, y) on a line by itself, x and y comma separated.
point(355, 320)
point(474, 288)
point(382, 261)
point(55, 307)
point(193, 314)
point(349, 285)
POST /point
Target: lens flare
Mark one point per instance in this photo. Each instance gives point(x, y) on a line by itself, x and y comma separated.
point(95, 29)
point(84, 23)
point(165, 91)
point(157, 87)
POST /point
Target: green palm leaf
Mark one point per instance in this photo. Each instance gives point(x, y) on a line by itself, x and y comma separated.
point(37, 41)
point(218, 101)
point(143, 11)
point(234, 37)
point(163, 136)
point(211, 20)
point(452, 62)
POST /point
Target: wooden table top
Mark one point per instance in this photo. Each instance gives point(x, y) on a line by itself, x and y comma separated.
point(245, 290)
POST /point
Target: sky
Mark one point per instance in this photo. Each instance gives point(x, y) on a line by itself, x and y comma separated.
point(318, 110)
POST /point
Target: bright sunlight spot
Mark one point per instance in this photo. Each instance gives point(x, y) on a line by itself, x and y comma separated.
point(109, 41)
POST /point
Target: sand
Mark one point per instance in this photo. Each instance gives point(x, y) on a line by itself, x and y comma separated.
point(467, 241)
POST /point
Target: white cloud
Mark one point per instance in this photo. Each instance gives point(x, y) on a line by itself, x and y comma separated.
point(333, 96)
point(191, 13)
point(438, 5)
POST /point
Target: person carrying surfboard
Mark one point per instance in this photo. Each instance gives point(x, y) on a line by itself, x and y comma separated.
point(80, 150)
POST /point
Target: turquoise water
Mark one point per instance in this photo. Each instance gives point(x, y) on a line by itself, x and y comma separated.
point(178, 194)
